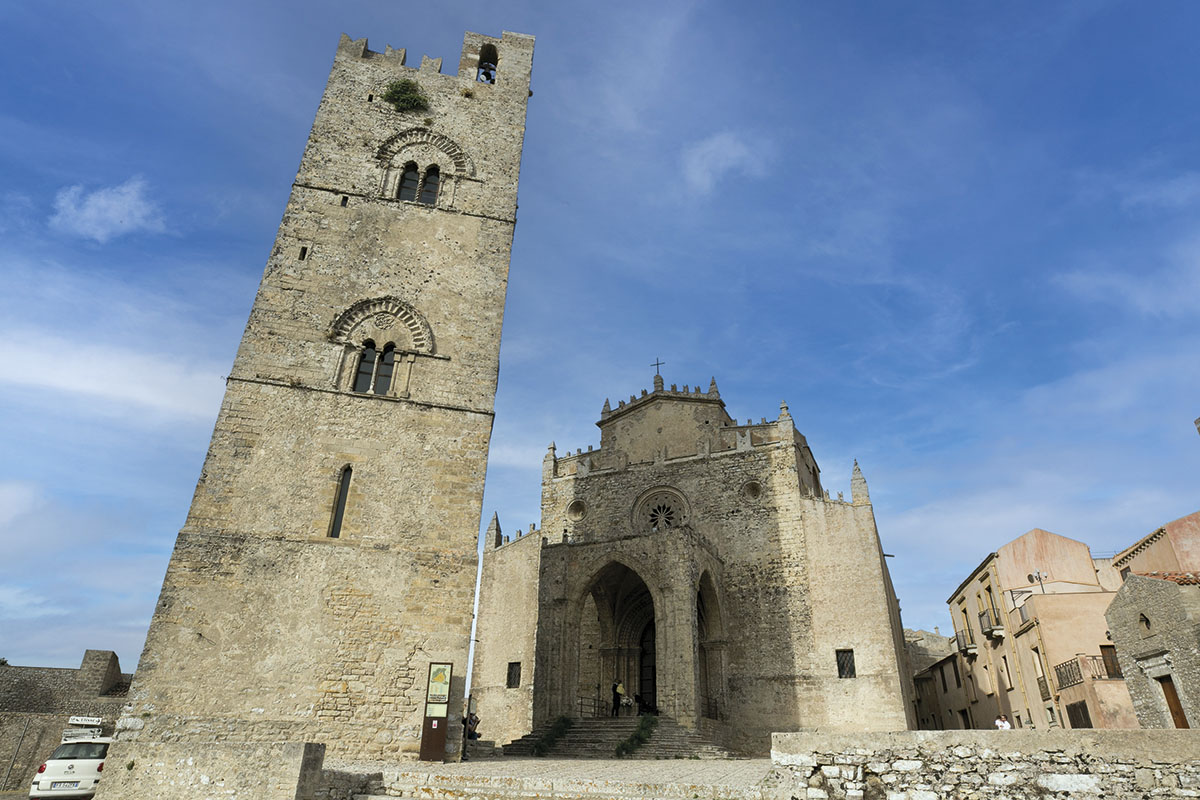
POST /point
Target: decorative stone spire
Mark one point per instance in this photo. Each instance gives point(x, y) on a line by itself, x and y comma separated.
point(783, 410)
point(658, 383)
point(858, 487)
point(712, 387)
point(604, 412)
point(493, 534)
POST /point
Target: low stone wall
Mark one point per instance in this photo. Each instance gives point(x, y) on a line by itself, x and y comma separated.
point(974, 765)
point(226, 770)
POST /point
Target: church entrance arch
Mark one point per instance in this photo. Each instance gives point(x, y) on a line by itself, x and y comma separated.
point(616, 639)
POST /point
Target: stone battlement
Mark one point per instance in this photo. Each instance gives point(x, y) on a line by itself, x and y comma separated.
point(474, 45)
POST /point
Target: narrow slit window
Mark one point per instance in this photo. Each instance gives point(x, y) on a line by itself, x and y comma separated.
point(303, 253)
point(383, 375)
point(514, 675)
point(845, 663)
point(370, 98)
point(339, 509)
point(366, 368)
point(429, 187)
point(409, 182)
point(345, 201)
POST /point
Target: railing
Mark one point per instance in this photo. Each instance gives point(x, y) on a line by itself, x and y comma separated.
point(965, 640)
point(710, 708)
point(1043, 687)
point(1068, 673)
point(1086, 667)
point(990, 623)
point(593, 707)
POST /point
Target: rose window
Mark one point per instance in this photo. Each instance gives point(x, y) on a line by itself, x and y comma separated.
point(660, 509)
point(661, 516)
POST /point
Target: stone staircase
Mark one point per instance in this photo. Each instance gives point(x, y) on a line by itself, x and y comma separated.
point(598, 738)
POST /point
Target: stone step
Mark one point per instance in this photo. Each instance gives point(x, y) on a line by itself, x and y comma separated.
point(599, 737)
point(433, 786)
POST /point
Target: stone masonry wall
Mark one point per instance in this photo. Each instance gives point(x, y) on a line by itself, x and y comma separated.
point(175, 771)
point(980, 765)
point(348, 655)
point(505, 633)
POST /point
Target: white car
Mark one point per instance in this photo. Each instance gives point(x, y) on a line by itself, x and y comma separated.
point(73, 770)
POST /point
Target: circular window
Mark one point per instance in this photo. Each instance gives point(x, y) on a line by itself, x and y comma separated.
point(576, 511)
point(659, 510)
point(662, 515)
point(752, 490)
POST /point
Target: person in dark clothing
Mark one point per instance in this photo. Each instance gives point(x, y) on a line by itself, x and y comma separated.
point(618, 692)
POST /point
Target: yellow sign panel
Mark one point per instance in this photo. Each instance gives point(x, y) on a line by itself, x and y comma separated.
point(439, 683)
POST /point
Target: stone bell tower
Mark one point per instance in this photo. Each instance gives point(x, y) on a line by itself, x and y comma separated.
point(329, 554)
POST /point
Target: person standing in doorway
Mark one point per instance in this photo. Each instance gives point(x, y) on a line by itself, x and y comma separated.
point(618, 694)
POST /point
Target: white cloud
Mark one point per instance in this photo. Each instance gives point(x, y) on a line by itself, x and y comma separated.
point(15, 499)
point(105, 213)
point(150, 381)
point(710, 160)
point(1177, 192)
point(1171, 288)
point(19, 603)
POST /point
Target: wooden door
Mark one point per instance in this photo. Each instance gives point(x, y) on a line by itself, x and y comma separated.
point(1177, 715)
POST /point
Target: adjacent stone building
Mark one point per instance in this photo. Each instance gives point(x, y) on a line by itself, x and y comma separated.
point(37, 704)
point(329, 555)
point(1154, 621)
point(1031, 643)
point(701, 562)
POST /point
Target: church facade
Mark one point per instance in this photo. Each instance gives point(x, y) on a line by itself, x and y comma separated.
point(700, 562)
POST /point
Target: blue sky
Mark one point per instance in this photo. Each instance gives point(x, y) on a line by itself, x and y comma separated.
point(959, 239)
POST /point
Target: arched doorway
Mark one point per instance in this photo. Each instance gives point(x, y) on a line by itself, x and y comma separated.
point(616, 639)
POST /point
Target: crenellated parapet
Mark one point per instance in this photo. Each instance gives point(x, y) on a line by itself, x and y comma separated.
point(475, 52)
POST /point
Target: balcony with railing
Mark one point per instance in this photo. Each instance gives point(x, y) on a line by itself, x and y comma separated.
point(991, 623)
point(966, 642)
point(1086, 667)
point(1043, 687)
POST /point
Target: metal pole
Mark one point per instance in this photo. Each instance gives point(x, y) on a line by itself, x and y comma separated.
point(16, 751)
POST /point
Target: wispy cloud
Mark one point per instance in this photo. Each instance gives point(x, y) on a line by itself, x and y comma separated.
point(142, 379)
point(711, 160)
point(16, 602)
point(106, 213)
point(1170, 287)
point(1178, 191)
point(15, 499)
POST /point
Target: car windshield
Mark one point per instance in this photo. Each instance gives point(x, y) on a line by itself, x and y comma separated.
point(81, 750)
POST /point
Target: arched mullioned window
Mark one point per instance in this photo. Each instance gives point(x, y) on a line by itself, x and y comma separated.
point(429, 186)
point(488, 58)
point(339, 506)
point(375, 368)
point(409, 182)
